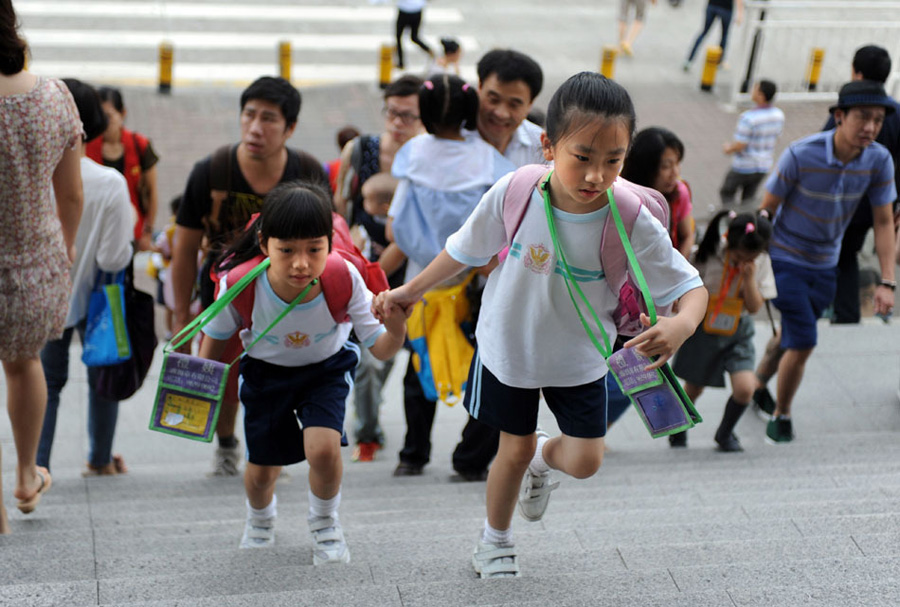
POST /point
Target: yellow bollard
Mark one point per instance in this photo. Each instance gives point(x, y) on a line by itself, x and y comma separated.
point(814, 70)
point(713, 57)
point(284, 59)
point(166, 57)
point(385, 62)
point(608, 61)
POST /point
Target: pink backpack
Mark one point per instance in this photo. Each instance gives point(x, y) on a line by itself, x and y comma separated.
point(337, 284)
point(629, 199)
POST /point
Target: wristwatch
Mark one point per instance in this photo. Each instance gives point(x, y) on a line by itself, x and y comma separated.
point(890, 284)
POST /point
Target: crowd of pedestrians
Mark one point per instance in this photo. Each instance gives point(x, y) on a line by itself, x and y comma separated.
point(430, 200)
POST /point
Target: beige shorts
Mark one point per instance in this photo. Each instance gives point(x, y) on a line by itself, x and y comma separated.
point(639, 6)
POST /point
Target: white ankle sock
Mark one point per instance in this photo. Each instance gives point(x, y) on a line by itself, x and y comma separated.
point(320, 507)
point(538, 465)
point(504, 538)
point(268, 512)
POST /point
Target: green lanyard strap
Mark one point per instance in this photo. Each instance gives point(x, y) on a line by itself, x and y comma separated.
point(604, 349)
point(206, 316)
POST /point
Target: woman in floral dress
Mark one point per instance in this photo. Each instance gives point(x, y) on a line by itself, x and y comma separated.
point(41, 137)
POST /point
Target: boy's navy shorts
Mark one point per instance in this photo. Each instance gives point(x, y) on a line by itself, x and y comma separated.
point(276, 398)
point(803, 294)
point(580, 411)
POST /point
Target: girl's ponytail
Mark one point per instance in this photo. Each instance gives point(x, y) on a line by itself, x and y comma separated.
point(447, 102)
point(710, 243)
point(244, 248)
point(470, 101)
point(749, 232)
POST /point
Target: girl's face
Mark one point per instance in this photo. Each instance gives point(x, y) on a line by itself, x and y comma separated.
point(587, 161)
point(741, 256)
point(669, 172)
point(116, 118)
point(294, 263)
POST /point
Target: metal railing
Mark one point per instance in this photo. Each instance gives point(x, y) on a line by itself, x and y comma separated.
point(781, 37)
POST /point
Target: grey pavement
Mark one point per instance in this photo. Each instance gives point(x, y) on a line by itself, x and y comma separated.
point(813, 523)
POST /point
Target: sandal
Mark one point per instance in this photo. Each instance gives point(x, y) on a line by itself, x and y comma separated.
point(492, 561)
point(28, 506)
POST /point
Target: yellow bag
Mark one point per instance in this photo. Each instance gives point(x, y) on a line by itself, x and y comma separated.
point(723, 313)
point(441, 352)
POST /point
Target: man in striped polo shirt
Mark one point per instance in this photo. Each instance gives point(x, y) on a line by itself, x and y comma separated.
point(812, 194)
point(753, 145)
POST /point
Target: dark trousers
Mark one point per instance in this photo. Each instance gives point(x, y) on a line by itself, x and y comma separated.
point(411, 21)
point(419, 420)
point(713, 13)
point(846, 299)
point(747, 183)
point(477, 448)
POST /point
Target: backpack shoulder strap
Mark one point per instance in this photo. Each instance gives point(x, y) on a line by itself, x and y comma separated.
point(518, 195)
point(243, 303)
point(612, 253)
point(337, 286)
point(220, 169)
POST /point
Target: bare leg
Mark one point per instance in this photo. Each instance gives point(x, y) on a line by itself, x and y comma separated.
point(768, 365)
point(4, 522)
point(505, 478)
point(26, 401)
point(323, 452)
point(636, 27)
point(259, 483)
point(578, 457)
point(227, 418)
point(743, 383)
point(790, 374)
point(623, 27)
point(693, 391)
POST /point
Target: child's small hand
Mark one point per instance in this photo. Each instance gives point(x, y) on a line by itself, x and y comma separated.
point(396, 302)
point(748, 269)
point(396, 324)
point(662, 339)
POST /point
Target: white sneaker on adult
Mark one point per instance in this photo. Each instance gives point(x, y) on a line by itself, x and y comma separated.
point(259, 532)
point(226, 461)
point(328, 536)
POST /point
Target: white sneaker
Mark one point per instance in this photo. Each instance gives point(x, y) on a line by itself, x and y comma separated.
point(328, 536)
point(490, 561)
point(535, 493)
point(259, 532)
point(226, 461)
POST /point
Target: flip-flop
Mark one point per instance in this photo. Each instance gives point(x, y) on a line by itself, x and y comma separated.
point(28, 506)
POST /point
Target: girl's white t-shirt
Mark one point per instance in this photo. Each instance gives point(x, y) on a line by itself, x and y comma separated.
point(308, 334)
point(529, 334)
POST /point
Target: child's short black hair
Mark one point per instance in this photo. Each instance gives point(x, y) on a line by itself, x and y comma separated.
point(278, 91)
point(380, 187)
point(175, 204)
point(450, 45)
point(293, 210)
point(89, 109)
point(584, 96)
point(448, 102)
point(768, 89)
point(873, 62)
point(509, 65)
point(645, 156)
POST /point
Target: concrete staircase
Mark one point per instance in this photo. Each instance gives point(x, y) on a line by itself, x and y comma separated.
point(816, 522)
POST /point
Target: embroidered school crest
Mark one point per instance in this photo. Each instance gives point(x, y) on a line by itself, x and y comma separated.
point(296, 340)
point(537, 259)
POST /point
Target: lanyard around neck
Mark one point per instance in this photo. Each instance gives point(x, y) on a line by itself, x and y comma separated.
point(206, 316)
point(604, 348)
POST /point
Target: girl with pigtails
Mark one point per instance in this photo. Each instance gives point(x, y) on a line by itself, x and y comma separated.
point(736, 270)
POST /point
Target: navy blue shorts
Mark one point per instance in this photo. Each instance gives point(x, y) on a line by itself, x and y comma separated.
point(276, 398)
point(803, 294)
point(580, 411)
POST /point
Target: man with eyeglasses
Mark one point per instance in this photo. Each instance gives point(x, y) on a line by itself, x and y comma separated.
point(362, 158)
point(812, 194)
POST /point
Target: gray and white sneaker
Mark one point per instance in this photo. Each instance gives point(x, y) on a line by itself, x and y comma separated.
point(259, 532)
point(535, 493)
point(226, 461)
point(328, 537)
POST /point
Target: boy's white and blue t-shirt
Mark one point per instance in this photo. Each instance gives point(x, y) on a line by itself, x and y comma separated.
point(308, 334)
point(529, 334)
